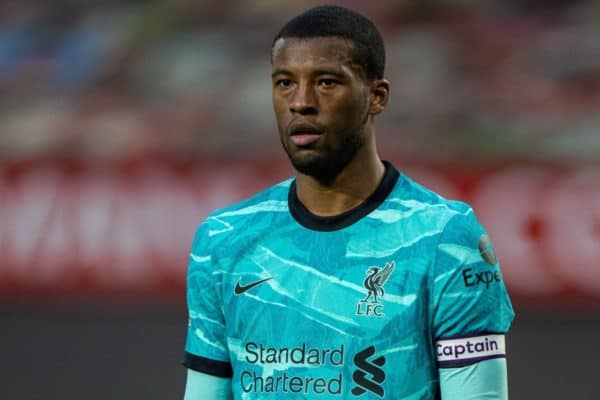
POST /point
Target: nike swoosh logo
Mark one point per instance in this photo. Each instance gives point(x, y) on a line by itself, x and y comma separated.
point(239, 289)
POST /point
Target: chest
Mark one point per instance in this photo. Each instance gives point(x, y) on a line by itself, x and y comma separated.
point(327, 309)
point(365, 285)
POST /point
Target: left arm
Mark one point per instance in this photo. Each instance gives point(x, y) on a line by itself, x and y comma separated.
point(485, 380)
point(471, 313)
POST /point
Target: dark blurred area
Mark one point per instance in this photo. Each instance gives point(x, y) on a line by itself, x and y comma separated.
point(486, 80)
point(123, 123)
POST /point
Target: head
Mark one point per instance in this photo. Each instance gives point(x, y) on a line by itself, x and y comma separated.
point(328, 85)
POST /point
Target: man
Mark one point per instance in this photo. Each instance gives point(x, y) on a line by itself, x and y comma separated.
point(349, 281)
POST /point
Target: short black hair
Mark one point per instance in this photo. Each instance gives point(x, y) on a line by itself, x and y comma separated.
point(323, 21)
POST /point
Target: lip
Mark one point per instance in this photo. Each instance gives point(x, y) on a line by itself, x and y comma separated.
point(304, 134)
point(304, 139)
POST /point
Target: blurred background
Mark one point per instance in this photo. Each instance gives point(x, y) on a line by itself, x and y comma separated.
point(123, 123)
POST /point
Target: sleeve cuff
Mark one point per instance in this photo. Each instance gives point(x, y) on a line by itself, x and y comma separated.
point(206, 365)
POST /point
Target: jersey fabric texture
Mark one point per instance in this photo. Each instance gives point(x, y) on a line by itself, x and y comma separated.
point(367, 304)
point(482, 380)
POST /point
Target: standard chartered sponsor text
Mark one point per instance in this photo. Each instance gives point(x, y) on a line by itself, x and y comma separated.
point(288, 378)
point(287, 383)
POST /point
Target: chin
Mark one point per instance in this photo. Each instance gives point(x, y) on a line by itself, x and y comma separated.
point(308, 164)
point(323, 169)
point(324, 165)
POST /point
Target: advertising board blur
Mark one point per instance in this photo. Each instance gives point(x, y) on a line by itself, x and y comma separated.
point(77, 230)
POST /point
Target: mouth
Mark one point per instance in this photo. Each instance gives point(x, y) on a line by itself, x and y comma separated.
point(303, 135)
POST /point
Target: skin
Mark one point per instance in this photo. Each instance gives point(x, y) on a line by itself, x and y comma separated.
point(319, 90)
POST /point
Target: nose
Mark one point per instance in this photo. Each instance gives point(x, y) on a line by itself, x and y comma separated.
point(303, 101)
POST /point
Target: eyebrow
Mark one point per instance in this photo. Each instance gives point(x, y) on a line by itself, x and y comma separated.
point(280, 71)
point(325, 71)
point(321, 71)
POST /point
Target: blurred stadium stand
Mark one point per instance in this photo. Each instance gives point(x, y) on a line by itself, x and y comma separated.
point(123, 123)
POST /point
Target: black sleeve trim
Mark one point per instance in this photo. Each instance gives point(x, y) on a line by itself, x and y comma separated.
point(460, 364)
point(213, 367)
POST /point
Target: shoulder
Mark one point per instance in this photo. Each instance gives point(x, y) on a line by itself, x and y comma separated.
point(457, 234)
point(265, 201)
point(254, 211)
point(429, 207)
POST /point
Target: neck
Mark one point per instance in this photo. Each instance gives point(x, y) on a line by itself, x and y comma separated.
point(353, 185)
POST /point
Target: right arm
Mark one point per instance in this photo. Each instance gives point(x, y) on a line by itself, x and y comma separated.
point(206, 350)
point(200, 386)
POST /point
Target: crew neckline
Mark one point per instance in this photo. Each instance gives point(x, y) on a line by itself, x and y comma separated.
point(335, 222)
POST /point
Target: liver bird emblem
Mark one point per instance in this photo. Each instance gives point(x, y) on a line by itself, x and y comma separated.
point(376, 278)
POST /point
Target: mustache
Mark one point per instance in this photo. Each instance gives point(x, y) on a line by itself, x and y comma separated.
point(296, 127)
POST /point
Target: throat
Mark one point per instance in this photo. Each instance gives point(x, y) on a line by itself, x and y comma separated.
point(345, 193)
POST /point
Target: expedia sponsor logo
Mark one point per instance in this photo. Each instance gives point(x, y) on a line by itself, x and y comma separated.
point(369, 375)
point(486, 278)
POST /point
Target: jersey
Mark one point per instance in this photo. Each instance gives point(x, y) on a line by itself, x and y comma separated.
point(367, 304)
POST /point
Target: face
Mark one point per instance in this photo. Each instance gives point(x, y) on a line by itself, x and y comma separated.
point(322, 103)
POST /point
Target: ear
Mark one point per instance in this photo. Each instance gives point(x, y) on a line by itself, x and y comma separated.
point(380, 94)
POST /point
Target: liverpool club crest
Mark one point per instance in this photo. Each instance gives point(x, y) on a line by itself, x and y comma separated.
point(374, 281)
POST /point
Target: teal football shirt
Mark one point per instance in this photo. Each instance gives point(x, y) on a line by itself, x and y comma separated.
point(367, 304)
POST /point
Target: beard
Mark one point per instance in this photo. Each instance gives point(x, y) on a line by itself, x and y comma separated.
point(326, 164)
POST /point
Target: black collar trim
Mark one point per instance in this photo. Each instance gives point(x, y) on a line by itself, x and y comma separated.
point(340, 221)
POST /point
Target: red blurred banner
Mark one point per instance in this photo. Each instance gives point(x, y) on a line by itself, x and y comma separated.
point(74, 229)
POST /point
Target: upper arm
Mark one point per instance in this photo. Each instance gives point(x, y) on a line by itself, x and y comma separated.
point(483, 380)
point(471, 309)
point(200, 386)
point(206, 348)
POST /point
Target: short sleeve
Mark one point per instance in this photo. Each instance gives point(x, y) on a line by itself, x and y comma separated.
point(471, 307)
point(206, 345)
point(483, 380)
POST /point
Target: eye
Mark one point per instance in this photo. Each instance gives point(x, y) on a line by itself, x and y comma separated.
point(283, 83)
point(328, 83)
